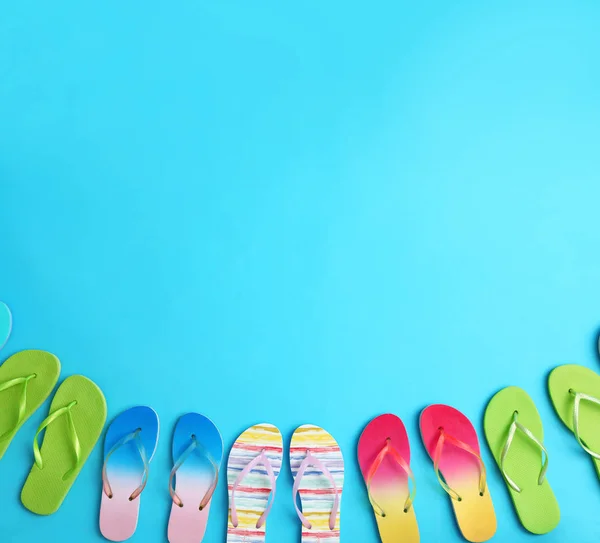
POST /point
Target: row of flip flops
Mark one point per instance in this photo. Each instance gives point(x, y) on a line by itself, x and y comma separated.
point(252, 470)
point(77, 414)
point(512, 426)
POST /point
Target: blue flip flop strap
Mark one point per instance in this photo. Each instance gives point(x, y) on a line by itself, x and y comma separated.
point(195, 445)
point(135, 437)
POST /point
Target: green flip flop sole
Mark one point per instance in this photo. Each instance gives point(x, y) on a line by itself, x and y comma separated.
point(563, 383)
point(77, 414)
point(535, 503)
point(26, 380)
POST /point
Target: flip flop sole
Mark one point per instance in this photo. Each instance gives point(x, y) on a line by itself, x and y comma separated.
point(46, 488)
point(535, 504)
point(45, 367)
point(187, 523)
point(316, 494)
point(119, 514)
point(475, 514)
point(252, 496)
point(389, 485)
point(579, 379)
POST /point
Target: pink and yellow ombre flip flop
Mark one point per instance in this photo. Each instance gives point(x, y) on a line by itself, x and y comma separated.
point(451, 441)
point(384, 458)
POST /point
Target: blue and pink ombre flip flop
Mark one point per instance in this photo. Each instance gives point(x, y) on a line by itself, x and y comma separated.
point(197, 455)
point(129, 446)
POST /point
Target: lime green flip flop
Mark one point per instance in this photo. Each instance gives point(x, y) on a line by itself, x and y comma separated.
point(73, 426)
point(26, 380)
point(515, 434)
point(575, 394)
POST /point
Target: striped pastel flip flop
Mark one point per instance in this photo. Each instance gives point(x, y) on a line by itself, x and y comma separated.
point(26, 380)
point(129, 447)
point(515, 434)
point(575, 394)
point(451, 441)
point(5, 324)
point(318, 470)
point(197, 455)
point(384, 458)
point(252, 471)
point(72, 428)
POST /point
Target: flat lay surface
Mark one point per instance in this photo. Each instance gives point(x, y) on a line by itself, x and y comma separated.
point(301, 213)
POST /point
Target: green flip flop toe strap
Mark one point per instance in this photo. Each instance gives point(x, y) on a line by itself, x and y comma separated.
point(22, 401)
point(516, 425)
point(578, 397)
point(72, 433)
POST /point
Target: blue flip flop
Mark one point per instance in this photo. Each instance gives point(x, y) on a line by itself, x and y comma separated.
point(197, 456)
point(129, 446)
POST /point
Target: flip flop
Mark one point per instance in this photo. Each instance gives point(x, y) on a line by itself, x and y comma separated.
point(26, 380)
point(318, 470)
point(522, 457)
point(5, 324)
point(384, 458)
point(451, 441)
point(197, 456)
point(73, 426)
point(575, 394)
point(129, 446)
point(252, 471)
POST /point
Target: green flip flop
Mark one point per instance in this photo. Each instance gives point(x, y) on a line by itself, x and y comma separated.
point(73, 426)
point(26, 380)
point(575, 394)
point(515, 434)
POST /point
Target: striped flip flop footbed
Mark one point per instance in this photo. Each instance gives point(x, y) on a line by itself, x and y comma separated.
point(315, 490)
point(252, 495)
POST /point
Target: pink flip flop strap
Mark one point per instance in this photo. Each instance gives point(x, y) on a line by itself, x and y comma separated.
point(389, 449)
point(194, 445)
point(261, 460)
point(442, 439)
point(311, 460)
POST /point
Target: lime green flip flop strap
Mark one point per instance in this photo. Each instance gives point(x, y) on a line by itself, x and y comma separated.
point(578, 398)
point(22, 401)
point(72, 433)
point(516, 425)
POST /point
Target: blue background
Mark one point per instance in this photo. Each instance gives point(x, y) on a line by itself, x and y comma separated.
point(308, 212)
